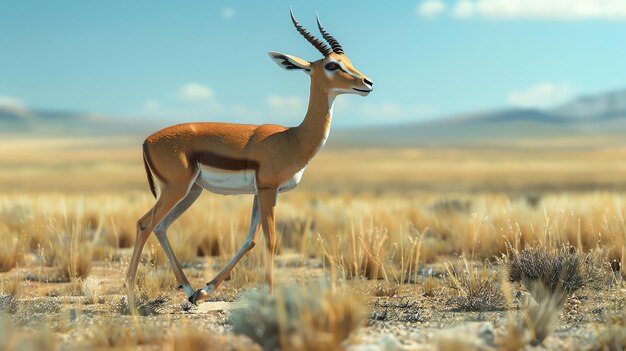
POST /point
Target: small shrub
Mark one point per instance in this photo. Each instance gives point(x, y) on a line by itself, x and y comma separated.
point(385, 289)
point(611, 338)
point(8, 259)
point(116, 335)
point(152, 281)
point(430, 286)
point(73, 263)
point(208, 245)
point(541, 319)
point(197, 340)
point(298, 318)
point(475, 288)
point(537, 322)
point(11, 286)
point(91, 290)
point(555, 273)
point(120, 238)
point(9, 254)
point(366, 255)
point(72, 253)
point(360, 255)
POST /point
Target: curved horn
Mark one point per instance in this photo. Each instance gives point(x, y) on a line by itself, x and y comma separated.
point(319, 45)
point(329, 38)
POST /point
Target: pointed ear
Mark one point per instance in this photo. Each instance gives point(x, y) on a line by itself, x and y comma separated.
point(289, 62)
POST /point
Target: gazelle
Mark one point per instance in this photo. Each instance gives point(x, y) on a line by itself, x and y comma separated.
point(230, 159)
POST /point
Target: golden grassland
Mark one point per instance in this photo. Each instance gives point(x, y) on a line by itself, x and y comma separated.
point(376, 247)
point(87, 165)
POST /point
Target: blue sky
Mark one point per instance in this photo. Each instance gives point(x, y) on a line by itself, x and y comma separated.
point(206, 60)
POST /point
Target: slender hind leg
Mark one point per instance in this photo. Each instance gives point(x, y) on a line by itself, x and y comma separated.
point(253, 235)
point(161, 233)
point(167, 201)
point(267, 203)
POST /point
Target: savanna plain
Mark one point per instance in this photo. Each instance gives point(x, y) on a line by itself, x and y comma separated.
point(478, 248)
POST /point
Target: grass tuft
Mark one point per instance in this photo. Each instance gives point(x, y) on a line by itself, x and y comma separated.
point(554, 272)
point(152, 281)
point(474, 288)
point(537, 322)
point(298, 318)
point(91, 290)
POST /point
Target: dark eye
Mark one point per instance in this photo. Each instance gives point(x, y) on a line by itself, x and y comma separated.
point(331, 66)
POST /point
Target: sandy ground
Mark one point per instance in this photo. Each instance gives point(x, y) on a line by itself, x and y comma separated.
point(402, 318)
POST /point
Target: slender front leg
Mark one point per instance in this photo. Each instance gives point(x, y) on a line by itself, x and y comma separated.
point(267, 203)
point(253, 235)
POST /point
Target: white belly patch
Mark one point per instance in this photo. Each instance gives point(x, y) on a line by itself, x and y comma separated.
point(227, 182)
point(291, 183)
point(224, 182)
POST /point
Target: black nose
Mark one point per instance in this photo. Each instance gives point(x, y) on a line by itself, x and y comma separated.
point(368, 82)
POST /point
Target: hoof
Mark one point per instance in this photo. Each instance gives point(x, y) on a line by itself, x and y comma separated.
point(200, 294)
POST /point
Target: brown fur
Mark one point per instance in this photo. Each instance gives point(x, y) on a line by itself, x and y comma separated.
point(148, 173)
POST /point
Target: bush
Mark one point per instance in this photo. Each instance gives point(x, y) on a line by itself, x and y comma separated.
point(298, 318)
point(553, 273)
point(475, 288)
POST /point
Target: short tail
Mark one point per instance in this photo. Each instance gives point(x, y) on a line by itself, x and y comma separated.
point(148, 172)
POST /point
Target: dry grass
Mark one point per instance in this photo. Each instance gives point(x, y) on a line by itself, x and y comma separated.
point(557, 272)
point(65, 164)
point(386, 237)
point(8, 258)
point(91, 290)
point(385, 289)
point(115, 336)
point(415, 209)
point(474, 288)
point(136, 336)
point(153, 281)
point(13, 339)
point(9, 250)
point(536, 323)
point(431, 286)
point(298, 318)
point(11, 285)
point(73, 261)
point(611, 338)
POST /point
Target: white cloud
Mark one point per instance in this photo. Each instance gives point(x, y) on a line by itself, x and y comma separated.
point(431, 8)
point(381, 112)
point(464, 9)
point(542, 9)
point(196, 102)
point(542, 95)
point(195, 92)
point(13, 105)
point(228, 13)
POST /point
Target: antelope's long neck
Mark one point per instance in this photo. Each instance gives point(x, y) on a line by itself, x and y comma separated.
point(314, 129)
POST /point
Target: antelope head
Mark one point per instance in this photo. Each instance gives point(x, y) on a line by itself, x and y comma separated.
point(334, 73)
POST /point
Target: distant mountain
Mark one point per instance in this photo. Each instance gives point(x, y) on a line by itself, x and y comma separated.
point(597, 107)
point(58, 123)
point(587, 116)
point(598, 115)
